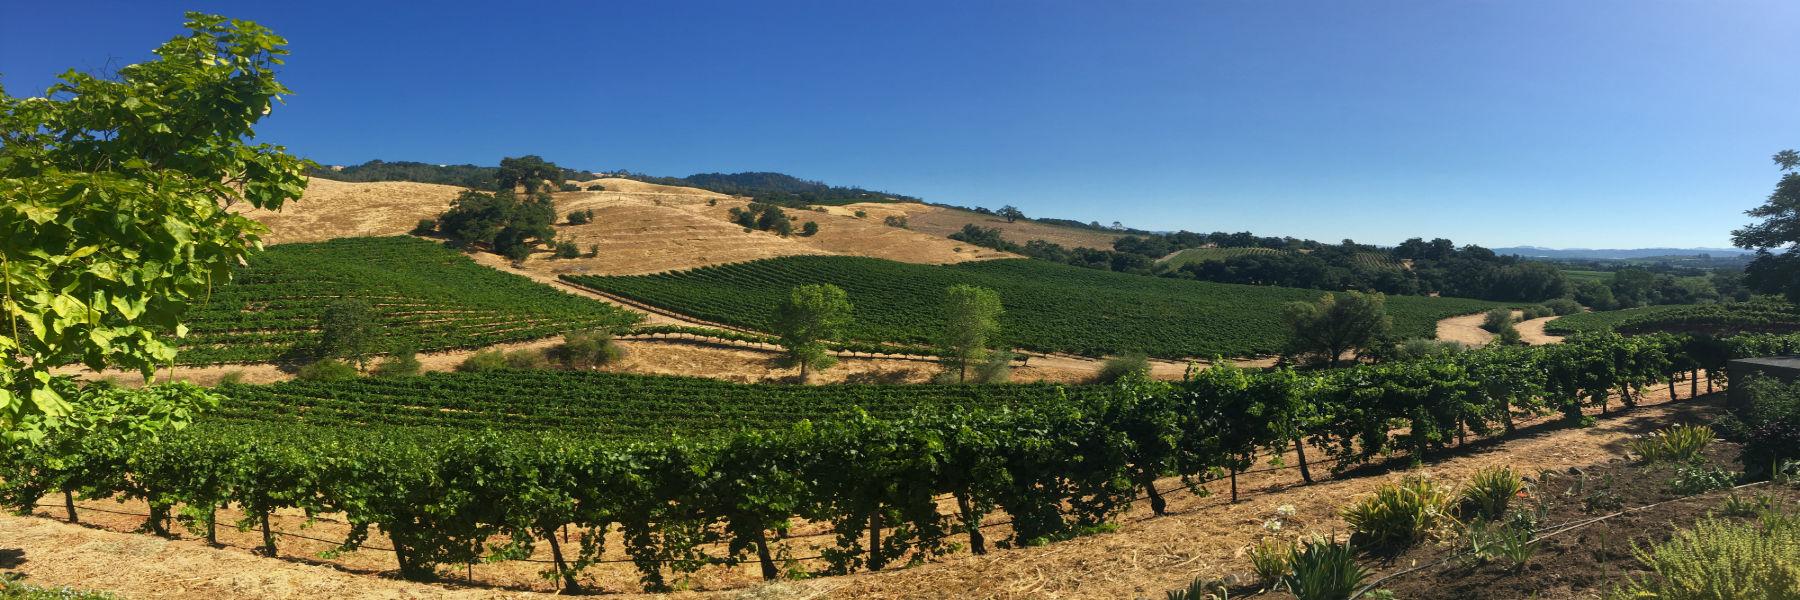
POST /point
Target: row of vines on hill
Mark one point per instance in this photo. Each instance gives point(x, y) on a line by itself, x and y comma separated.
point(1757, 315)
point(425, 296)
point(1059, 466)
point(1049, 307)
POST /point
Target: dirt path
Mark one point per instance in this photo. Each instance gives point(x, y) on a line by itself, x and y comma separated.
point(1467, 330)
point(1203, 535)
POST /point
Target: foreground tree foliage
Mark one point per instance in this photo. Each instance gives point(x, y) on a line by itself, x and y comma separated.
point(116, 220)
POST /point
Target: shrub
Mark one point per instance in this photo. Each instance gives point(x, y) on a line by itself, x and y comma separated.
point(401, 363)
point(425, 227)
point(808, 229)
point(581, 217)
point(1496, 319)
point(997, 368)
point(712, 201)
point(1399, 514)
point(894, 221)
point(570, 187)
point(1692, 479)
point(232, 377)
point(1324, 570)
point(593, 250)
point(1490, 492)
point(1508, 335)
point(862, 213)
point(1737, 506)
point(587, 349)
point(1769, 426)
point(1681, 443)
point(525, 358)
point(1417, 348)
point(1117, 367)
point(567, 249)
point(1538, 311)
point(329, 369)
point(1721, 560)
point(596, 188)
point(485, 360)
point(1270, 558)
point(1563, 306)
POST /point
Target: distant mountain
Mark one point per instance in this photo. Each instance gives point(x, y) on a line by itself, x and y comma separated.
point(775, 188)
point(1616, 254)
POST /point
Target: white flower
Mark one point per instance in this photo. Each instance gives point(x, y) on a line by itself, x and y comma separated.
point(1272, 525)
point(1285, 510)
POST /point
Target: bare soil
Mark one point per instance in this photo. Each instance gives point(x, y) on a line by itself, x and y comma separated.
point(1204, 535)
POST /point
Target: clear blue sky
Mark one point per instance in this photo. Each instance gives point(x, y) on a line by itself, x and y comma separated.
point(1556, 123)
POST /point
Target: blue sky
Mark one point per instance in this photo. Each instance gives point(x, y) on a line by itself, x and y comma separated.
point(1555, 123)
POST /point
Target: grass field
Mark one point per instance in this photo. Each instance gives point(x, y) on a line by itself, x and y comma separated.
point(1727, 317)
point(605, 406)
point(1049, 307)
point(427, 298)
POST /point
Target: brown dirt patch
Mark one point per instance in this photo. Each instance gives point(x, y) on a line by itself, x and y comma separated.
point(1467, 329)
point(1532, 331)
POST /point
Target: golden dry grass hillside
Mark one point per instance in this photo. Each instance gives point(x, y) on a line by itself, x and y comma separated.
point(335, 209)
point(638, 227)
point(940, 221)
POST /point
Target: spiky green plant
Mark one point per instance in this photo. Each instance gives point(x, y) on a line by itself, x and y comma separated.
point(1681, 443)
point(1402, 513)
point(1324, 570)
point(1489, 492)
point(1269, 558)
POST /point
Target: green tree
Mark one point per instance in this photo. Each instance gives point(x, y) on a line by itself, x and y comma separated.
point(811, 314)
point(809, 229)
point(1338, 323)
point(115, 216)
point(529, 171)
point(971, 322)
point(348, 330)
point(1773, 272)
point(1012, 213)
point(499, 220)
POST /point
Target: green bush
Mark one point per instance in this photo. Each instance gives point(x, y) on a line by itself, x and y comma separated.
point(1508, 335)
point(569, 187)
point(581, 217)
point(1496, 319)
point(1538, 311)
point(329, 369)
point(400, 363)
point(1692, 479)
point(232, 377)
point(1768, 425)
point(809, 229)
point(1681, 443)
point(1417, 348)
point(425, 227)
point(1118, 367)
point(1721, 560)
point(596, 188)
point(485, 360)
point(525, 358)
point(567, 249)
point(587, 349)
point(1324, 570)
point(1400, 514)
point(1490, 492)
point(1563, 306)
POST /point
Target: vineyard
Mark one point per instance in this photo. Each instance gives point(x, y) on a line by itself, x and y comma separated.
point(1049, 307)
point(595, 406)
point(427, 297)
point(1198, 255)
point(1726, 318)
point(481, 467)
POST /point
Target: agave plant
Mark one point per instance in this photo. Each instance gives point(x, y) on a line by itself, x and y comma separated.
point(1324, 570)
point(1681, 443)
point(1490, 492)
point(1402, 513)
